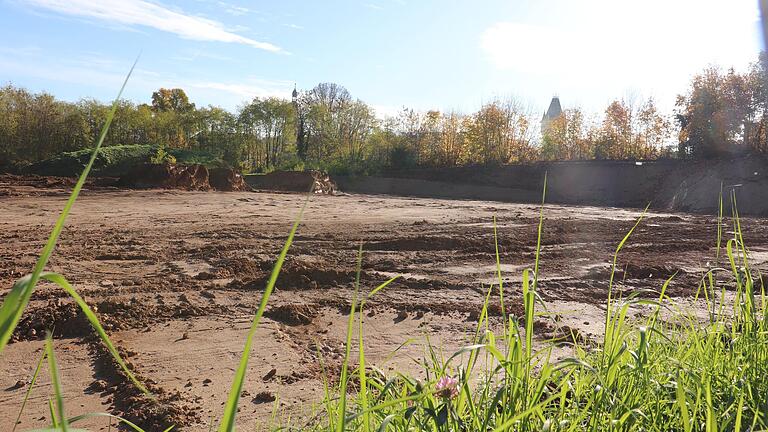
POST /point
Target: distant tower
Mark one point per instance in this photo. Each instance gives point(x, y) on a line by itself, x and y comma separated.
point(294, 94)
point(554, 111)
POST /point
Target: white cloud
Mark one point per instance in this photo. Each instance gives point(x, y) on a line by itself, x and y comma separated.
point(654, 45)
point(99, 74)
point(154, 15)
point(193, 55)
point(246, 90)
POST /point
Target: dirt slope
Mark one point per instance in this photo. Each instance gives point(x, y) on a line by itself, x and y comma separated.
point(666, 185)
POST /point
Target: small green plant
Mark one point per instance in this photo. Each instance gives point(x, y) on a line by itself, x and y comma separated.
point(162, 157)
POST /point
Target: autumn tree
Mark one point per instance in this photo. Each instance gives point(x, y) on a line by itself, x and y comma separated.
point(171, 100)
point(654, 130)
point(453, 139)
point(567, 137)
point(716, 115)
point(631, 130)
point(756, 127)
point(499, 133)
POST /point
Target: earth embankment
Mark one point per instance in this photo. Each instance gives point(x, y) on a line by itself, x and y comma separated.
point(671, 185)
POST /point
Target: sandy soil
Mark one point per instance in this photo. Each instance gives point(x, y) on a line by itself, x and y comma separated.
point(176, 277)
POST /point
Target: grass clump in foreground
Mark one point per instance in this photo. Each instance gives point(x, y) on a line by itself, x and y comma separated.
point(645, 375)
point(652, 375)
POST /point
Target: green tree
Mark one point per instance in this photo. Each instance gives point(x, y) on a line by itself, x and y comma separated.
point(269, 128)
point(716, 114)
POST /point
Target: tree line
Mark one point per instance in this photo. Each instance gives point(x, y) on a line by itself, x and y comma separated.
point(721, 113)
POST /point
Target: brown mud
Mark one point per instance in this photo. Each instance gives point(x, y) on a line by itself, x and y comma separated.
point(176, 276)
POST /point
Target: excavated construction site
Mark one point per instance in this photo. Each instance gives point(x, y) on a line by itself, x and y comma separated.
point(176, 276)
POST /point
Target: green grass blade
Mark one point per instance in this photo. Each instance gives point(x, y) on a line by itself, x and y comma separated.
point(227, 423)
point(52, 413)
point(343, 381)
point(682, 405)
point(94, 320)
point(128, 423)
point(512, 420)
point(719, 223)
point(385, 423)
point(382, 286)
point(53, 369)
point(13, 306)
point(363, 393)
point(29, 390)
point(608, 334)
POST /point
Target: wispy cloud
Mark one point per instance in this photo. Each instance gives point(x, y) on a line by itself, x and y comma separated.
point(234, 9)
point(294, 26)
point(192, 55)
point(149, 14)
point(247, 89)
point(373, 6)
point(94, 70)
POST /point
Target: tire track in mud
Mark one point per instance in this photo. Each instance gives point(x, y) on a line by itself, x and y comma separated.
point(156, 412)
point(159, 411)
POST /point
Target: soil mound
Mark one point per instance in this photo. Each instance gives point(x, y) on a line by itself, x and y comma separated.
point(186, 177)
point(224, 179)
point(293, 314)
point(65, 320)
point(167, 176)
point(294, 181)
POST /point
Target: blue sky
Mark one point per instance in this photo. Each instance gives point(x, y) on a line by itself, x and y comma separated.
point(425, 54)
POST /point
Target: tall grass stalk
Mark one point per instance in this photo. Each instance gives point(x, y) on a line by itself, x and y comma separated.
point(18, 298)
point(666, 370)
point(59, 419)
point(30, 385)
point(227, 423)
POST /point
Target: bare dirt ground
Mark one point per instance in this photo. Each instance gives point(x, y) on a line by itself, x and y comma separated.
point(176, 277)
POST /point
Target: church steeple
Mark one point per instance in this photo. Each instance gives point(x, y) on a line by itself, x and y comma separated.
point(554, 111)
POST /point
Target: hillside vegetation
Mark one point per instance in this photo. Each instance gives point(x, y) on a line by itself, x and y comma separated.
point(721, 113)
point(117, 160)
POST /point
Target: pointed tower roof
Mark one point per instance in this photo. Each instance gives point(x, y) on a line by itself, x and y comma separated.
point(554, 109)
